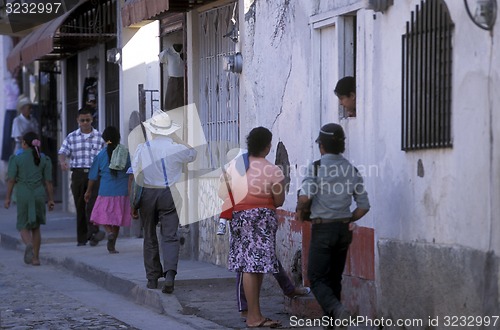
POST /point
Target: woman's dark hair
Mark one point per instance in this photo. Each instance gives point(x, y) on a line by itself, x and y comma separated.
point(31, 139)
point(345, 86)
point(333, 145)
point(258, 139)
point(112, 137)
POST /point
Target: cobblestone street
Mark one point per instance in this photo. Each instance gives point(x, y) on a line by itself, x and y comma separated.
point(29, 305)
point(51, 297)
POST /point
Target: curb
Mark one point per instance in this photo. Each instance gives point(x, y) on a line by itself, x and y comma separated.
point(152, 299)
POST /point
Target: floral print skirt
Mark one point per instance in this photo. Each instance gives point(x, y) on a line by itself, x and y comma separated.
point(252, 245)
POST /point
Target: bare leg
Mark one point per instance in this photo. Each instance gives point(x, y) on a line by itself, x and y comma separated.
point(26, 236)
point(108, 229)
point(37, 242)
point(252, 283)
point(112, 236)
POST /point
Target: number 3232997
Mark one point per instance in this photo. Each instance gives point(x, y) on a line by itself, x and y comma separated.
point(33, 8)
point(471, 321)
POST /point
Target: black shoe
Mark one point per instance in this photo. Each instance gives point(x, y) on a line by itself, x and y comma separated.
point(152, 284)
point(81, 244)
point(169, 282)
point(342, 314)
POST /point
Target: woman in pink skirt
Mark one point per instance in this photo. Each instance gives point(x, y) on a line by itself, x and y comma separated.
point(112, 207)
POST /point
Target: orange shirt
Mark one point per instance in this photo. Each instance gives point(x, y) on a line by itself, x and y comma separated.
point(253, 188)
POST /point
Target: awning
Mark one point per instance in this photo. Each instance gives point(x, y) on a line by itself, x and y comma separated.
point(63, 36)
point(135, 11)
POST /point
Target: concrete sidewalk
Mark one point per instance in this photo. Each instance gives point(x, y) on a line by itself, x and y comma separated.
point(204, 296)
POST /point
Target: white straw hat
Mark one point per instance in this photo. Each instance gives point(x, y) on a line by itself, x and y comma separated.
point(161, 124)
point(22, 101)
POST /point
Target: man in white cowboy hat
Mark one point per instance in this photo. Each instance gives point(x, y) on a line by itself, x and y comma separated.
point(161, 160)
point(24, 122)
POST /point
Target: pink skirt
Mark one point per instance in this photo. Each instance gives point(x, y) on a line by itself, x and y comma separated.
point(111, 210)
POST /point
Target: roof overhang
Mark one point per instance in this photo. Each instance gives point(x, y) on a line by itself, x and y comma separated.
point(136, 11)
point(62, 37)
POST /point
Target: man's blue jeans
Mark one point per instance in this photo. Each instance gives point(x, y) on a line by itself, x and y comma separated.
point(327, 257)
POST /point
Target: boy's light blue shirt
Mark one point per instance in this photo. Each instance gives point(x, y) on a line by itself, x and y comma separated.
point(337, 183)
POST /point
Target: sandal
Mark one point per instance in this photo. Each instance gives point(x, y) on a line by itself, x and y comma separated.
point(266, 323)
point(111, 243)
point(28, 254)
point(35, 262)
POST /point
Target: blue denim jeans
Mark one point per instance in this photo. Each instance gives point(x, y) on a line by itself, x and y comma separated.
point(327, 257)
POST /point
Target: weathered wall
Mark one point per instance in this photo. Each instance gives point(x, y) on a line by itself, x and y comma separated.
point(454, 202)
point(434, 210)
point(433, 216)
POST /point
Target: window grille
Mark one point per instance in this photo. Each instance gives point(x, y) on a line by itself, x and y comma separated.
point(219, 91)
point(426, 78)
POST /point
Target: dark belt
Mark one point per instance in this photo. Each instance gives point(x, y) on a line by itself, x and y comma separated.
point(80, 169)
point(317, 221)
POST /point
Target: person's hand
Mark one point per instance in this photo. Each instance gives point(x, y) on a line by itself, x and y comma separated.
point(64, 166)
point(6, 204)
point(87, 196)
point(51, 205)
point(299, 215)
point(352, 226)
point(134, 213)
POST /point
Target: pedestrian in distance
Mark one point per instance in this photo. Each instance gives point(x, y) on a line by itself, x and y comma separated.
point(257, 193)
point(112, 206)
point(77, 153)
point(331, 186)
point(346, 92)
point(159, 162)
point(31, 172)
point(24, 122)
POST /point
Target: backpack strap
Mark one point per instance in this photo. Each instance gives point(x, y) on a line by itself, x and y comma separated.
point(317, 164)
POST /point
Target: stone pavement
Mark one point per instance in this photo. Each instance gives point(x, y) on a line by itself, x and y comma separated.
point(204, 296)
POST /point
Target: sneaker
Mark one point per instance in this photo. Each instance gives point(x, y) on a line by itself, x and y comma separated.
point(299, 291)
point(221, 229)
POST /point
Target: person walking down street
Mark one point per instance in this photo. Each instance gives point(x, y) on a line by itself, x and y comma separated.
point(346, 92)
point(286, 285)
point(112, 206)
point(160, 161)
point(23, 123)
point(331, 187)
point(31, 172)
point(80, 147)
point(257, 192)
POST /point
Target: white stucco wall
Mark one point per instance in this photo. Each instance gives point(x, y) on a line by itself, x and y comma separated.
point(139, 65)
point(454, 202)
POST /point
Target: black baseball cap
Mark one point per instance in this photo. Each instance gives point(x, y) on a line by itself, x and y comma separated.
point(331, 132)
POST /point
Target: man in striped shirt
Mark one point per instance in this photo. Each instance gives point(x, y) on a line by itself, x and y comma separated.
point(77, 153)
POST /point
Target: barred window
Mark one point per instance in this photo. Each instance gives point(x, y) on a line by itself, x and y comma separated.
point(219, 90)
point(426, 78)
